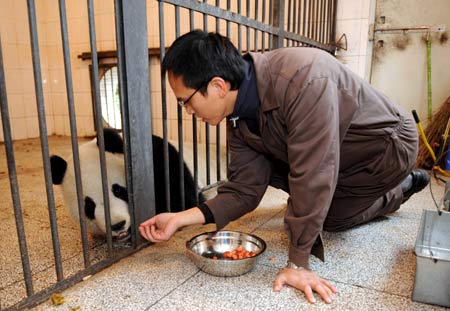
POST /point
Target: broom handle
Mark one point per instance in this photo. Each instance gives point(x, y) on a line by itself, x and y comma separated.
point(422, 135)
point(430, 103)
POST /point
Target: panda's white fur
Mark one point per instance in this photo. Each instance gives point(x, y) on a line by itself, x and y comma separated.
point(92, 187)
point(93, 206)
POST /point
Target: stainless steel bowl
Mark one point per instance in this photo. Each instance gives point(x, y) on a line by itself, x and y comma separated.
point(202, 248)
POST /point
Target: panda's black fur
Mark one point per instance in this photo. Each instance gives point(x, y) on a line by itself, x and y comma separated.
point(120, 220)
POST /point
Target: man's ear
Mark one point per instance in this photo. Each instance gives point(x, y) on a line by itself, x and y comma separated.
point(221, 86)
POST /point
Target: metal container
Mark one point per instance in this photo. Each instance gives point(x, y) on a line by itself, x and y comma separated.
point(202, 248)
point(432, 249)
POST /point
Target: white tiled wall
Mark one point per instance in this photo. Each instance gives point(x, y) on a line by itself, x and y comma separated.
point(353, 19)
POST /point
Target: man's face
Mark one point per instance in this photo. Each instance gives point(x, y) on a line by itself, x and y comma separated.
point(210, 108)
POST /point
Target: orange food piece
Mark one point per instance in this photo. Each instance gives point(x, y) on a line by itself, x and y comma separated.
point(238, 253)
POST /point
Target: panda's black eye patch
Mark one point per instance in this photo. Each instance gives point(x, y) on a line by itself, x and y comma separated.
point(89, 208)
point(120, 192)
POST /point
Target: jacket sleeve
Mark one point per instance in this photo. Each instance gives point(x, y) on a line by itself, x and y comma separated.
point(312, 122)
point(248, 177)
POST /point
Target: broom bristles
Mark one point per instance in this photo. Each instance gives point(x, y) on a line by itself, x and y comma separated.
point(434, 131)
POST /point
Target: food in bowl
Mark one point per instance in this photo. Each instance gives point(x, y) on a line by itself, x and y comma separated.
point(225, 253)
point(238, 253)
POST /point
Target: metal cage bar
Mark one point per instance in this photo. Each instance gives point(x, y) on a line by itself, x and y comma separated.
point(13, 182)
point(73, 129)
point(164, 108)
point(98, 123)
point(43, 136)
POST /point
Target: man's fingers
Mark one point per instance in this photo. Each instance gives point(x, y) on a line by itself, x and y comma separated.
point(278, 284)
point(146, 233)
point(327, 289)
point(309, 294)
point(330, 286)
point(149, 222)
point(157, 234)
point(324, 292)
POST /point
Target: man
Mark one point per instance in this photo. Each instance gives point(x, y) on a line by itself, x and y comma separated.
point(300, 121)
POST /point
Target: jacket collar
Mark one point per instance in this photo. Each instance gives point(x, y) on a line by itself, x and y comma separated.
point(264, 81)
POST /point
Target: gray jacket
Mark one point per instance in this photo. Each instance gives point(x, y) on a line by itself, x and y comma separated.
point(314, 113)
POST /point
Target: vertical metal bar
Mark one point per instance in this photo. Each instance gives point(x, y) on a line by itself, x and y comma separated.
point(289, 12)
point(110, 70)
point(299, 17)
point(247, 27)
point(278, 21)
point(319, 19)
point(120, 45)
point(180, 118)
point(205, 18)
point(294, 17)
point(136, 67)
point(263, 39)
point(207, 134)
point(73, 130)
point(333, 21)
point(328, 37)
point(322, 22)
point(270, 23)
point(310, 11)
point(333, 29)
point(314, 19)
point(305, 3)
point(99, 123)
point(43, 135)
point(13, 183)
point(255, 30)
point(318, 10)
point(228, 22)
point(164, 109)
point(104, 93)
point(194, 119)
point(218, 125)
point(239, 29)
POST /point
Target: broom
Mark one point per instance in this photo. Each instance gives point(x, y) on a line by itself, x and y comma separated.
point(434, 132)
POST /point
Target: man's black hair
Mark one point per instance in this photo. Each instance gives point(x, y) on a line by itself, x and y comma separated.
point(199, 56)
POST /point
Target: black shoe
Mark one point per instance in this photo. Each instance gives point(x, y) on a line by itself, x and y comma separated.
point(420, 180)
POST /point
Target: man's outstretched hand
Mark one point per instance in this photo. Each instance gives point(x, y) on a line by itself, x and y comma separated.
point(307, 281)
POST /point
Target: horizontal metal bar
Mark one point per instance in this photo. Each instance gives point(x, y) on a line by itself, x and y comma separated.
point(245, 21)
point(221, 13)
point(439, 28)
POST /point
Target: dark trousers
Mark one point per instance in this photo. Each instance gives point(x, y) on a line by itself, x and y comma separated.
point(369, 180)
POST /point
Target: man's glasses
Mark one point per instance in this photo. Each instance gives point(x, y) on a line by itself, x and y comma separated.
point(182, 103)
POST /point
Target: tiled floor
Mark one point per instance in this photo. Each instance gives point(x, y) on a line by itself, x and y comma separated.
point(372, 267)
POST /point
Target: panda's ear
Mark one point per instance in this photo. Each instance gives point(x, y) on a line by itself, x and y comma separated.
point(113, 141)
point(58, 167)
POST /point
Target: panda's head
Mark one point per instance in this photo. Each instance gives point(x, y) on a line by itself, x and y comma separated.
point(63, 174)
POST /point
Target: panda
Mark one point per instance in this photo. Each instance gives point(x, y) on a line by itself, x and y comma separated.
point(63, 175)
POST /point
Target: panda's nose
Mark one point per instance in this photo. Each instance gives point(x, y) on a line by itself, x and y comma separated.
point(118, 226)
